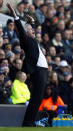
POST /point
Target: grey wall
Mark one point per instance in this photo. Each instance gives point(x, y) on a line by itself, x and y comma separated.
point(12, 115)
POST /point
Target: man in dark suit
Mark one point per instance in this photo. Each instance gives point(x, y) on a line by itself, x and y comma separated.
point(34, 64)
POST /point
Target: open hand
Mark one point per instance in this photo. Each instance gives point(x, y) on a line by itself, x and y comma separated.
point(31, 18)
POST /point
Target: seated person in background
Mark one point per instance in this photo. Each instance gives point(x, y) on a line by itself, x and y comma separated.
point(5, 89)
point(20, 10)
point(57, 39)
point(15, 66)
point(51, 102)
point(20, 91)
point(9, 30)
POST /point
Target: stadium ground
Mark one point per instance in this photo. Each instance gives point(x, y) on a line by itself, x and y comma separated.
point(37, 129)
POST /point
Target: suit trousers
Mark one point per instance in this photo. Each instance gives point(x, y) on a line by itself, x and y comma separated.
point(39, 79)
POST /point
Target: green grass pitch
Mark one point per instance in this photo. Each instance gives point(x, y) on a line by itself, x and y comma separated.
point(37, 129)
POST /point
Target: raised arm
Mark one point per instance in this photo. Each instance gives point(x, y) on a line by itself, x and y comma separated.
point(19, 26)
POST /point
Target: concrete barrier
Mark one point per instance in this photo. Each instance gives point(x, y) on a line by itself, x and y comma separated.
point(12, 115)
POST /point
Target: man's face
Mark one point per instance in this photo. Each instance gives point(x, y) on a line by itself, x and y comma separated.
point(38, 37)
point(50, 13)
point(57, 60)
point(39, 29)
point(1, 3)
point(26, 6)
point(19, 64)
point(21, 8)
point(61, 25)
point(61, 9)
point(54, 76)
point(51, 6)
point(23, 77)
point(64, 2)
point(48, 91)
point(58, 3)
point(49, 59)
point(30, 31)
point(11, 26)
point(32, 8)
point(50, 68)
point(58, 37)
point(5, 40)
point(2, 54)
point(67, 35)
point(44, 9)
point(46, 37)
point(52, 51)
point(1, 78)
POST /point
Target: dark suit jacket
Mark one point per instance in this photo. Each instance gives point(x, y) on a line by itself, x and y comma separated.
point(30, 47)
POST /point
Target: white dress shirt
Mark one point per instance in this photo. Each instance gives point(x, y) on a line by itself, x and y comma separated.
point(41, 60)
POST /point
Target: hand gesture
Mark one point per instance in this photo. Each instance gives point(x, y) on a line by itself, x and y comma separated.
point(31, 18)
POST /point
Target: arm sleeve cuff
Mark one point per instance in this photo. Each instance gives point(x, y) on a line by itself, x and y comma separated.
point(17, 18)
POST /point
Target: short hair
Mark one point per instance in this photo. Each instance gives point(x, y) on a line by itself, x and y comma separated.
point(57, 32)
point(42, 5)
point(9, 21)
point(60, 7)
point(15, 44)
point(18, 74)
